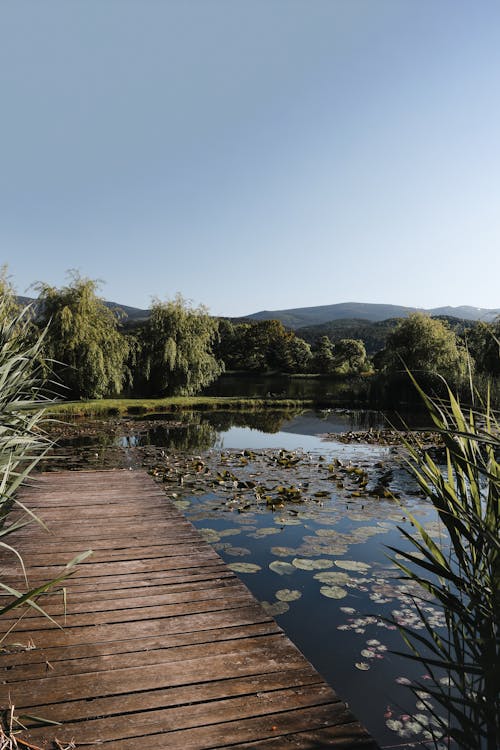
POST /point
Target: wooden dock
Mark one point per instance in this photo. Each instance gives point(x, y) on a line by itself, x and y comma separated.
point(162, 646)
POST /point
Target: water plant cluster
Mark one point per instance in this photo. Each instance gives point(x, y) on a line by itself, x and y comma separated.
point(23, 443)
point(324, 511)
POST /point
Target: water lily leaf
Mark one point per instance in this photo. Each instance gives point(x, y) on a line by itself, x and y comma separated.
point(182, 504)
point(237, 551)
point(282, 568)
point(332, 577)
point(283, 551)
point(287, 521)
point(209, 535)
point(267, 531)
point(229, 532)
point(244, 567)
point(362, 567)
point(333, 592)
point(288, 595)
point(304, 564)
point(362, 665)
point(275, 608)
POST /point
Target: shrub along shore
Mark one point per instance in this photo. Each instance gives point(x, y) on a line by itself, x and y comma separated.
point(118, 406)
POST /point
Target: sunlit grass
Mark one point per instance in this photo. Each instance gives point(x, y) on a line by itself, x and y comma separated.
point(109, 406)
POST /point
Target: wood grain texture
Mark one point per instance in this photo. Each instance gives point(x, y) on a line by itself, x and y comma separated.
point(162, 646)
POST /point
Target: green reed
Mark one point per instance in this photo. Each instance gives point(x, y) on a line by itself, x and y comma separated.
point(461, 572)
point(23, 396)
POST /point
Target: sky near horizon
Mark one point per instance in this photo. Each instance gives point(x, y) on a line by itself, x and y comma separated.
point(253, 154)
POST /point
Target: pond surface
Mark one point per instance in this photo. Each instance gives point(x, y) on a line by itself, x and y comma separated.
point(306, 523)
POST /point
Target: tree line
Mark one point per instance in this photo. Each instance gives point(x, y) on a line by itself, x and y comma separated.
point(180, 348)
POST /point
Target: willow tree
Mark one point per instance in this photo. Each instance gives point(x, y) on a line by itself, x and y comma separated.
point(425, 344)
point(82, 339)
point(177, 349)
point(9, 306)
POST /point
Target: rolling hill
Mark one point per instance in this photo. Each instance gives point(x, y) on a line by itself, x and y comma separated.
point(310, 316)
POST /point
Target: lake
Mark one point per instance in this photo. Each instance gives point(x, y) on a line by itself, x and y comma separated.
point(306, 522)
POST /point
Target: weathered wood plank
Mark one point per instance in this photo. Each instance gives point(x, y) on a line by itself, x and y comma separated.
point(162, 646)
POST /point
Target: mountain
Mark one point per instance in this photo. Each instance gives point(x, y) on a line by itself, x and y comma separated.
point(372, 333)
point(130, 314)
point(300, 317)
point(310, 316)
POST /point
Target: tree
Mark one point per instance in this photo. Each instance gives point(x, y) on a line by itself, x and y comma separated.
point(176, 355)
point(350, 355)
point(422, 343)
point(9, 307)
point(484, 344)
point(82, 338)
point(323, 358)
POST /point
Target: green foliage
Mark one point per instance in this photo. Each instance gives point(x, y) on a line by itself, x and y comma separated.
point(461, 571)
point(484, 345)
point(83, 339)
point(22, 440)
point(323, 357)
point(9, 308)
point(350, 355)
point(425, 344)
point(262, 346)
point(176, 351)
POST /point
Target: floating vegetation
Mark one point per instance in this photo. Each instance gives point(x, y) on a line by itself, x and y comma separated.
point(362, 567)
point(332, 577)
point(333, 592)
point(288, 595)
point(244, 567)
point(294, 513)
point(275, 608)
point(304, 564)
point(282, 568)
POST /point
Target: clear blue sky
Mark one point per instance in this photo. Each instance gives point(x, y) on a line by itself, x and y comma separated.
point(253, 154)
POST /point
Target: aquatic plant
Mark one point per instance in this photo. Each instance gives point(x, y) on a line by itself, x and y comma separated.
point(462, 572)
point(22, 440)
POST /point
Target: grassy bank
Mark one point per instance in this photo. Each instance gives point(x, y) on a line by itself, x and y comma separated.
point(117, 406)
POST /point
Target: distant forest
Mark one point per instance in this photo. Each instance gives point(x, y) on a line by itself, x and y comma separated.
point(177, 349)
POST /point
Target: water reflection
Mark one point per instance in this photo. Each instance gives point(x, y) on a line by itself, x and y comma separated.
point(333, 613)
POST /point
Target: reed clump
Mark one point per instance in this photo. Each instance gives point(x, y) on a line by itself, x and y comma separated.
point(23, 442)
point(461, 572)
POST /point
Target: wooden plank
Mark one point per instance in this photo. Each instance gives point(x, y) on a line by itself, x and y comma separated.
point(233, 648)
point(200, 715)
point(162, 646)
point(176, 696)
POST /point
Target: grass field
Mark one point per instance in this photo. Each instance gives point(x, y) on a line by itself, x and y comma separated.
point(115, 406)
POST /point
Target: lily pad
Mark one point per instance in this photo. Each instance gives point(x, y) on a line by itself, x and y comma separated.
point(210, 535)
point(283, 551)
point(282, 568)
point(229, 532)
point(268, 531)
point(244, 567)
point(287, 521)
point(362, 665)
point(275, 608)
point(288, 595)
point(332, 577)
point(237, 551)
point(304, 564)
point(333, 592)
point(182, 504)
point(356, 565)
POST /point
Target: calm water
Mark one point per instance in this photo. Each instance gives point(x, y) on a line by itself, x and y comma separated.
point(333, 586)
